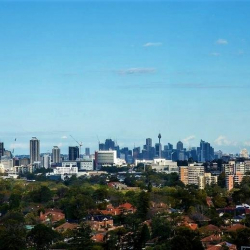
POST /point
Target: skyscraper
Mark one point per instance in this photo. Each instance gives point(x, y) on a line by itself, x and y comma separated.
point(1, 149)
point(46, 161)
point(56, 155)
point(73, 153)
point(206, 152)
point(109, 144)
point(34, 150)
point(87, 151)
point(179, 145)
point(148, 144)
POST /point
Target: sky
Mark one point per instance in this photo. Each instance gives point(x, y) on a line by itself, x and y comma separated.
point(124, 70)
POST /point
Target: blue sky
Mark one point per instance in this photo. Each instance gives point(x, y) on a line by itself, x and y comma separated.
point(125, 70)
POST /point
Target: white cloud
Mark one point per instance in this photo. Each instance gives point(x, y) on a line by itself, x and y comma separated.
point(222, 41)
point(247, 143)
point(215, 54)
point(223, 141)
point(133, 71)
point(152, 44)
point(64, 137)
point(188, 139)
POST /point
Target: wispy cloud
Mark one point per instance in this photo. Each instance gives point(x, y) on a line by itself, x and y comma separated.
point(64, 137)
point(246, 143)
point(152, 44)
point(215, 54)
point(188, 139)
point(223, 141)
point(133, 71)
point(221, 41)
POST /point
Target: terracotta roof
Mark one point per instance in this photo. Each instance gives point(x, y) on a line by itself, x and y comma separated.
point(216, 247)
point(192, 226)
point(159, 205)
point(54, 210)
point(234, 227)
point(209, 228)
point(210, 238)
point(186, 218)
point(220, 246)
point(98, 237)
point(126, 205)
point(66, 226)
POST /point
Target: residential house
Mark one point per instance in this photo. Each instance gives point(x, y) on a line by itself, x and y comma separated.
point(52, 215)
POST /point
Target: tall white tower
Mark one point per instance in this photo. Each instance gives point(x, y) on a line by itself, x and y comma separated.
point(56, 155)
point(34, 150)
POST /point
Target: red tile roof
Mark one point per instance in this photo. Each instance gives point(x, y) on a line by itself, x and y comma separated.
point(210, 238)
point(220, 246)
point(209, 228)
point(234, 227)
point(66, 226)
point(98, 237)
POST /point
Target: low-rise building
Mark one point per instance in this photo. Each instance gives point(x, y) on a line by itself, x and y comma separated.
point(52, 215)
point(100, 222)
point(166, 166)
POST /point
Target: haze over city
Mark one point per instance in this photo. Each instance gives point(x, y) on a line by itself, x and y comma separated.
point(125, 71)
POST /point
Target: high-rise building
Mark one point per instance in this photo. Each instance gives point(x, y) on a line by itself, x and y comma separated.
point(87, 151)
point(1, 149)
point(206, 152)
point(158, 150)
point(24, 161)
point(56, 155)
point(105, 158)
point(46, 159)
point(34, 150)
point(179, 145)
point(136, 153)
point(109, 144)
point(73, 153)
point(101, 146)
point(148, 144)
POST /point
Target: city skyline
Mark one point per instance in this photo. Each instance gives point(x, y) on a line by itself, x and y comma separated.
point(126, 71)
point(102, 145)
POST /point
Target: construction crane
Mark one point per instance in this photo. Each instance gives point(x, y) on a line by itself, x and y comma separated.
point(13, 150)
point(79, 143)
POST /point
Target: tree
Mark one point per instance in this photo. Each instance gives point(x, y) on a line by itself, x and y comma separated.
point(186, 239)
point(42, 236)
point(12, 234)
point(144, 235)
point(42, 194)
point(219, 201)
point(75, 207)
point(143, 205)
point(81, 238)
point(15, 200)
point(241, 237)
point(222, 180)
point(113, 239)
point(150, 187)
point(160, 228)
